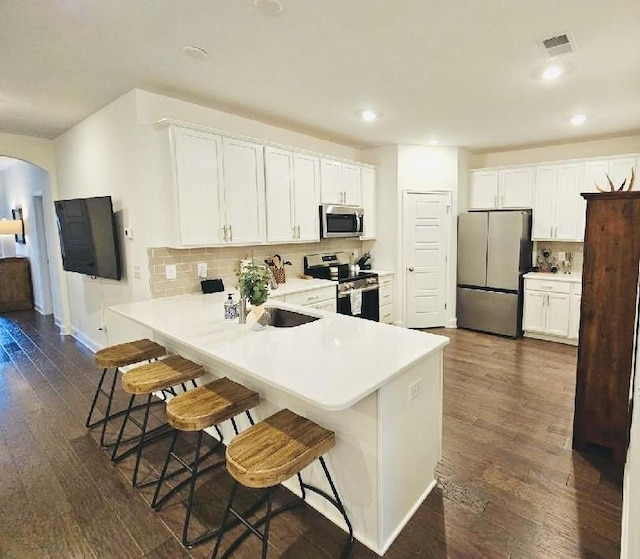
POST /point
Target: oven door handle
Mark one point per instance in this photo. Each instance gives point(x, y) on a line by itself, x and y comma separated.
point(364, 290)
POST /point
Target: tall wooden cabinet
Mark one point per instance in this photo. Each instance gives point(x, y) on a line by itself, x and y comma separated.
point(607, 322)
point(15, 284)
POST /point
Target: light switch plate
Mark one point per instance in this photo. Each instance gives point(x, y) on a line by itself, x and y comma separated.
point(202, 269)
point(170, 271)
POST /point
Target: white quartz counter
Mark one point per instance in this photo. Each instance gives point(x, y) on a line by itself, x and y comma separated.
point(331, 363)
point(571, 278)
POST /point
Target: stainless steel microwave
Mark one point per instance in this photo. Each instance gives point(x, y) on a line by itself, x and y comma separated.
point(340, 221)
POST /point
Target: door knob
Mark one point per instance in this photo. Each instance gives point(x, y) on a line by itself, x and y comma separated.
point(411, 269)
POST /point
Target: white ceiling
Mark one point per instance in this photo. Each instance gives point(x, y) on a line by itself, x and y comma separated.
point(461, 71)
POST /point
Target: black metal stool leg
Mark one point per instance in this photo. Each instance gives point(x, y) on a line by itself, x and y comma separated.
point(122, 427)
point(267, 524)
point(192, 488)
point(107, 413)
point(134, 479)
point(88, 423)
point(223, 525)
point(156, 493)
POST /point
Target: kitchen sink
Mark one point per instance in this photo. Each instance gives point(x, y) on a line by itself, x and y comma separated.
point(281, 318)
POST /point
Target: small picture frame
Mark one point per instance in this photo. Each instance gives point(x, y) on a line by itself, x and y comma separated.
point(17, 214)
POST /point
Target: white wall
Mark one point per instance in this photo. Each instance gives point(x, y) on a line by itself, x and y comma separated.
point(40, 152)
point(593, 148)
point(21, 182)
point(115, 152)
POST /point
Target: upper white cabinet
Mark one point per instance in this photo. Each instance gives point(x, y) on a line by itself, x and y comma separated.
point(502, 189)
point(212, 189)
point(219, 189)
point(484, 190)
point(369, 202)
point(555, 202)
point(341, 182)
point(198, 189)
point(244, 200)
point(292, 196)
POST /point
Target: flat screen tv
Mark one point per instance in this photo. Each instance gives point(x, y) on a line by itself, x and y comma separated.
point(88, 236)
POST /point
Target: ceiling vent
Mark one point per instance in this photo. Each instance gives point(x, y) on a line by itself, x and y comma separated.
point(557, 45)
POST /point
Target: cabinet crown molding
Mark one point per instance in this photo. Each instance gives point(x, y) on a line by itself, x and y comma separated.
point(169, 122)
point(557, 162)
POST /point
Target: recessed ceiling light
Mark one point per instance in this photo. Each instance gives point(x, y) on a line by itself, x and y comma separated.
point(577, 120)
point(552, 73)
point(369, 115)
point(195, 52)
point(433, 142)
point(268, 7)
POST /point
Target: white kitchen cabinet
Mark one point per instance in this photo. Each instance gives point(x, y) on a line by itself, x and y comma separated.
point(321, 298)
point(516, 188)
point(595, 172)
point(484, 190)
point(341, 183)
point(550, 308)
point(244, 198)
point(387, 314)
point(555, 202)
point(369, 202)
point(503, 189)
point(352, 184)
point(198, 186)
point(212, 189)
point(306, 199)
point(292, 196)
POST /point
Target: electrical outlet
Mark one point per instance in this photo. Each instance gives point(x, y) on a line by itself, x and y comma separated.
point(128, 232)
point(202, 269)
point(415, 389)
point(170, 271)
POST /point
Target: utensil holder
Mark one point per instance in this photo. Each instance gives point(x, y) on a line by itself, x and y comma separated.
point(279, 274)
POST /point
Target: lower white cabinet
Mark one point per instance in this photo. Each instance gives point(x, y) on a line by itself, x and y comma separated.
point(386, 299)
point(550, 307)
point(324, 298)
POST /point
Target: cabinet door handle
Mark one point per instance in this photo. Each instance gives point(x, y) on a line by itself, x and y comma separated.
point(411, 269)
point(298, 227)
point(502, 200)
point(495, 201)
point(224, 233)
point(230, 233)
point(293, 231)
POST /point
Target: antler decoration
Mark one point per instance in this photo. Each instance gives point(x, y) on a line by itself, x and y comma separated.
point(612, 187)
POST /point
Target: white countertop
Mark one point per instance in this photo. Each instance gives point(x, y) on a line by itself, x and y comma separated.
point(548, 276)
point(331, 363)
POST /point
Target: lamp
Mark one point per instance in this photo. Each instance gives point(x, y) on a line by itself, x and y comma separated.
point(9, 227)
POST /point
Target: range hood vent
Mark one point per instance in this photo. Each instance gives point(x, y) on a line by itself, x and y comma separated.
point(557, 45)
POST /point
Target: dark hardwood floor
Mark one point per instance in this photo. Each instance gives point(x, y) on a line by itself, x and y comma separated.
point(509, 483)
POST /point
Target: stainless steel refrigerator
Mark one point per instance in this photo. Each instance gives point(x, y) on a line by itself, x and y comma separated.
point(494, 251)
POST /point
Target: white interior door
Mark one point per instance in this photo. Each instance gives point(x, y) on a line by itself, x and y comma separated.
point(425, 257)
point(44, 273)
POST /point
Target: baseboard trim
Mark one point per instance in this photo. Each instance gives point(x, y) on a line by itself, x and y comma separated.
point(65, 330)
point(549, 338)
point(452, 323)
point(86, 341)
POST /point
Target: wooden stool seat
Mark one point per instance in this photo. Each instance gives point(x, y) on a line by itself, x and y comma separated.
point(210, 404)
point(276, 449)
point(128, 353)
point(148, 378)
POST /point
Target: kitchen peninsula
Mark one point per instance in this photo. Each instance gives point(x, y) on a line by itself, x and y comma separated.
point(379, 387)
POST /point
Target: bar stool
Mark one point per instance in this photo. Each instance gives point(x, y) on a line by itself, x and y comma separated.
point(145, 380)
point(114, 357)
point(269, 453)
point(196, 410)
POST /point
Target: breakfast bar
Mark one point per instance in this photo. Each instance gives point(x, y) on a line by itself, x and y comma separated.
point(378, 387)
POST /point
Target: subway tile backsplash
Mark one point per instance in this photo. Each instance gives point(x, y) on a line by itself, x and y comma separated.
point(555, 247)
point(224, 262)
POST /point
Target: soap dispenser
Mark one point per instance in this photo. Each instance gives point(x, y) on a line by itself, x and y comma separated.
point(230, 308)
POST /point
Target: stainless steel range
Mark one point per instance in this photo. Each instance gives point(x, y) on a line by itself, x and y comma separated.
point(357, 293)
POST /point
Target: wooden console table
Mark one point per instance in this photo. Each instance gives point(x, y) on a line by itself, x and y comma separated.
point(15, 284)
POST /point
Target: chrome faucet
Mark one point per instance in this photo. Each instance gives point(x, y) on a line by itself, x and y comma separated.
point(242, 310)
